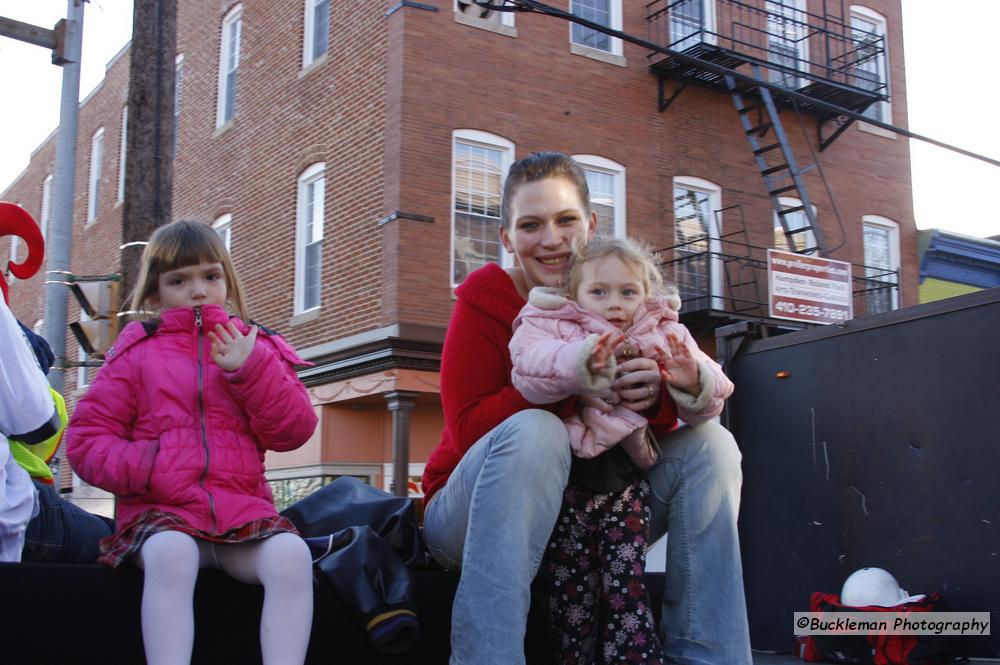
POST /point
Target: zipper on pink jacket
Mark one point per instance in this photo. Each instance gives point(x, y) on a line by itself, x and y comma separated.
point(201, 412)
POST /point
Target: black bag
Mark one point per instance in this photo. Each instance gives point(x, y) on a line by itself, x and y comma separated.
point(362, 539)
point(349, 502)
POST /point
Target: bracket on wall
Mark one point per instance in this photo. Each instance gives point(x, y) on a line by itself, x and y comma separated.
point(399, 214)
point(409, 3)
point(842, 122)
point(665, 104)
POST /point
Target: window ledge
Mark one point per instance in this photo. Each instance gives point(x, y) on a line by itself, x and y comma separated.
point(486, 24)
point(313, 66)
point(223, 128)
point(877, 131)
point(597, 54)
point(305, 317)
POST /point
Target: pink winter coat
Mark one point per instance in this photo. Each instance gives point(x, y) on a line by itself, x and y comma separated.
point(164, 428)
point(552, 342)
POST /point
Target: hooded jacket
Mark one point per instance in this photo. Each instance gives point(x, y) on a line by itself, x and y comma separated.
point(550, 348)
point(476, 389)
point(164, 428)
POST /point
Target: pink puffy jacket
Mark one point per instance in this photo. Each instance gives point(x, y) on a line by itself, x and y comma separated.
point(163, 427)
point(552, 342)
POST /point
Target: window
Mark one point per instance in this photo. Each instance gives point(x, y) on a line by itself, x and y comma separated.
point(94, 183)
point(468, 13)
point(121, 156)
point(46, 205)
point(881, 238)
point(794, 220)
point(178, 82)
point(787, 43)
point(317, 30)
point(604, 12)
point(223, 225)
point(229, 64)
point(697, 232)
point(691, 22)
point(309, 238)
point(479, 165)
point(606, 182)
point(871, 67)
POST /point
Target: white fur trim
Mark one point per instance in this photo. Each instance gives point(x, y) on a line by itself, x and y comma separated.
point(593, 383)
point(692, 403)
point(547, 297)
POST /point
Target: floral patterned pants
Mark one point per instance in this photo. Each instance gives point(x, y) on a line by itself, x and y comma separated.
point(598, 604)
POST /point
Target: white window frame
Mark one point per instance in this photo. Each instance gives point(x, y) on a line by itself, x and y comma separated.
point(94, 175)
point(223, 225)
point(46, 210)
point(232, 21)
point(795, 10)
point(880, 222)
point(809, 238)
point(502, 22)
point(707, 29)
point(714, 193)
point(309, 176)
point(308, 36)
point(882, 28)
point(482, 139)
point(617, 171)
point(122, 143)
point(615, 44)
point(178, 89)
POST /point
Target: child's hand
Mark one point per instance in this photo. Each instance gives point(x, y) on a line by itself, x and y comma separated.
point(681, 368)
point(230, 347)
point(602, 351)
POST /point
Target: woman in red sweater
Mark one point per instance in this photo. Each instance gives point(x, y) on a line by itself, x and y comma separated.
point(494, 485)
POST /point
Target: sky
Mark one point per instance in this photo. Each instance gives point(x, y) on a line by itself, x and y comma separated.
point(952, 97)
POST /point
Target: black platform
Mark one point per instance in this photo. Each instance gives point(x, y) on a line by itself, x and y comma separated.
point(69, 615)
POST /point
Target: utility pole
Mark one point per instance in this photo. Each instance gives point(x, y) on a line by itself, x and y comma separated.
point(149, 150)
point(60, 241)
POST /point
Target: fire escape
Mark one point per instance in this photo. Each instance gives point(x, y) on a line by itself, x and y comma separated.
point(767, 56)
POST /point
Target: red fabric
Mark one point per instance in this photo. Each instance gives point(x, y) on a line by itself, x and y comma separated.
point(164, 428)
point(476, 390)
point(117, 548)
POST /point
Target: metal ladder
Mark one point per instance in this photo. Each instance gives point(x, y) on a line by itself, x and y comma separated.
point(784, 176)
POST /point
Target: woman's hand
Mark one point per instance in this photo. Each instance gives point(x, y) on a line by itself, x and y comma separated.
point(681, 369)
point(230, 347)
point(638, 384)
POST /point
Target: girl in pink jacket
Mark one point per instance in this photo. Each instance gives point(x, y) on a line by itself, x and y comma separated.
point(176, 425)
point(567, 342)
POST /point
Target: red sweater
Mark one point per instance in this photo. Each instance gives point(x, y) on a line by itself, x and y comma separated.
point(476, 390)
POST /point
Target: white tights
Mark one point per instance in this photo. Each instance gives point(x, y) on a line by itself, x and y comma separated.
point(281, 563)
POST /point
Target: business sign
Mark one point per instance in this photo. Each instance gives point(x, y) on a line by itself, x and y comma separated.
point(807, 288)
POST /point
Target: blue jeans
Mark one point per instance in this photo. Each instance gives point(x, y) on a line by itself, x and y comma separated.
point(493, 519)
point(63, 532)
point(696, 495)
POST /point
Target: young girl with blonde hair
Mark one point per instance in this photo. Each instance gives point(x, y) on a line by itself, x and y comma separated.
point(176, 425)
point(568, 341)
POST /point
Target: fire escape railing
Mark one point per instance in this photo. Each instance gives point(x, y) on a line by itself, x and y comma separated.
point(792, 43)
point(730, 277)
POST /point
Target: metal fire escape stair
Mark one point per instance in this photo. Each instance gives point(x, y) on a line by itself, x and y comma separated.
point(783, 176)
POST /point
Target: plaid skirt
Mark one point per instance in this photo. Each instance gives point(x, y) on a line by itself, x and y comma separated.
point(115, 549)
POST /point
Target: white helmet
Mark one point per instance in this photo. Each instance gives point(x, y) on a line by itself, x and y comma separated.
point(874, 586)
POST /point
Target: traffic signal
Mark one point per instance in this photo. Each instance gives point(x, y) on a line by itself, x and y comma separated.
point(99, 301)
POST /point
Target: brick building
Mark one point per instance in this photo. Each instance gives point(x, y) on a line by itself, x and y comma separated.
point(352, 153)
